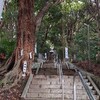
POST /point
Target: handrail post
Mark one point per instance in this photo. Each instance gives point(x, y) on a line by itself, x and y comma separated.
point(62, 89)
point(61, 79)
point(41, 64)
point(74, 84)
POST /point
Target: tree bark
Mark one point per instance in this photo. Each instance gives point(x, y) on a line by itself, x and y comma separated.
point(26, 31)
point(25, 43)
point(25, 40)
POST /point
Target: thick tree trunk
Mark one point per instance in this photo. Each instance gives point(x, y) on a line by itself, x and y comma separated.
point(25, 44)
point(25, 41)
point(26, 31)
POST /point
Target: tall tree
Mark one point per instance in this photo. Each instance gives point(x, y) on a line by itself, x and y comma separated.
point(28, 24)
point(26, 30)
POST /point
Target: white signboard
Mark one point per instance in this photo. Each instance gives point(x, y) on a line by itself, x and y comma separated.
point(22, 52)
point(30, 55)
point(66, 53)
point(36, 48)
point(24, 66)
point(1, 7)
point(45, 55)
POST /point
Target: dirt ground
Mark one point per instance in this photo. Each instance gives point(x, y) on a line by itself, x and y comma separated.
point(15, 92)
point(94, 68)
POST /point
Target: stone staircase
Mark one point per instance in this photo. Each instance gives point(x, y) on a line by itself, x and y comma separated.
point(92, 86)
point(48, 86)
point(48, 65)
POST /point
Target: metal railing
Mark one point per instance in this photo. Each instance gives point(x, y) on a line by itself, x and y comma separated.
point(37, 70)
point(89, 92)
point(74, 87)
point(79, 72)
point(61, 79)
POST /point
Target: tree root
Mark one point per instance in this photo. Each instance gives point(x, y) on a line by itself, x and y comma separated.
point(11, 72)
point(5, 67)
point(12, 77)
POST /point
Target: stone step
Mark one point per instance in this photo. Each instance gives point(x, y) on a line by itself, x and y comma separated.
point(84, 77)
point(54, 82)
point(86, 80)
point(52, 64)
point(45, 77)
point(35, 82)
point(45, 86)
point(40, 77)
point(43, 95)
point(93, 91)
point(48, 87)
point(78, 98)
point(60, 91)
point(56, 96)
point(46, 99)
point(48, 63)
point(53, 86)
point(66, 77)
point(97, 97)
point(91, 87)
point(88, 83)
point(48, 66)
point(39, 90)
point(53, 71)
point(49, 91)
point(55, 77)
point(81, 92)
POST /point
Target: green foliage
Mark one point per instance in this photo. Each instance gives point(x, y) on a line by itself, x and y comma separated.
point(39, 5)
point(51, 22)
point(2, 50)
point(57, 16)
point(11, 12)
point(81, 44)
point(69, 6)
point(7, 47)
point(8, 31)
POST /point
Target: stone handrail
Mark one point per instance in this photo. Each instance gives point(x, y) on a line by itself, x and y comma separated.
point(27, 86)
point(98, 91)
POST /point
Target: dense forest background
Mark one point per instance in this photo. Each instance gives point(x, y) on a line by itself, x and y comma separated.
point(73, 24)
